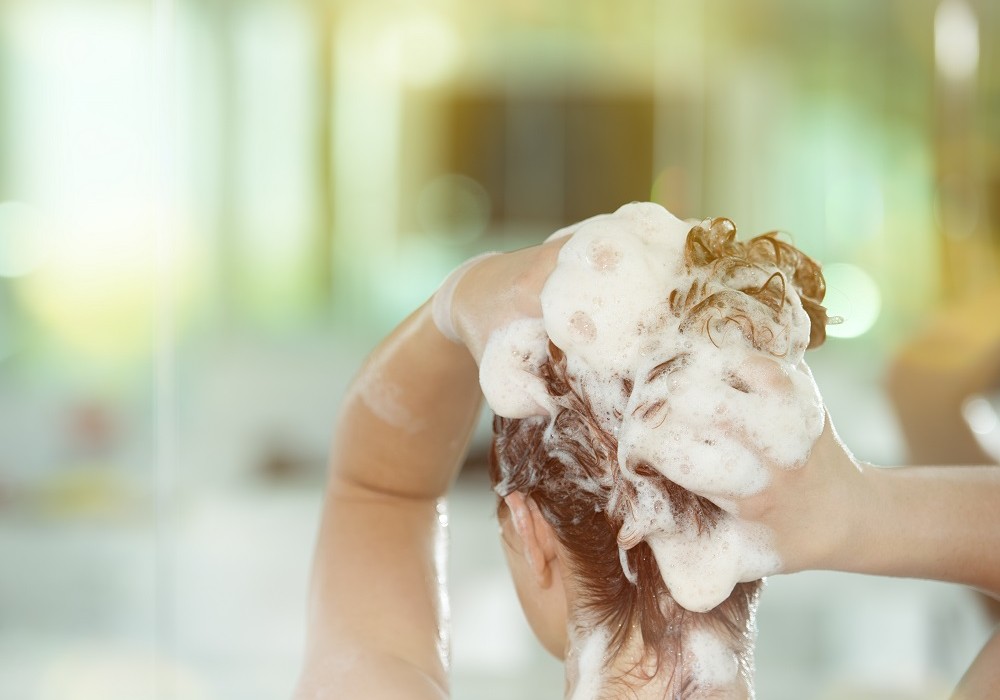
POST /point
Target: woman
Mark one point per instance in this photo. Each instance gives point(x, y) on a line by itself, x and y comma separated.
point(377, 602)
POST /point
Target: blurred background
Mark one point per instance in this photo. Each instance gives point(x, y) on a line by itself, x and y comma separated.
point(210, 210)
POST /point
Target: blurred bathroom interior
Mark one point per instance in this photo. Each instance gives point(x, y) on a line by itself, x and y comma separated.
point(210, 210)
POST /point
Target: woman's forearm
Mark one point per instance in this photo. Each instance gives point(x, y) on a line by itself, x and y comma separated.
point(838, 514)
point(938, 523)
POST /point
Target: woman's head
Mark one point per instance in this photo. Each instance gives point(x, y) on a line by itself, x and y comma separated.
point(564, 496)
point(557, 524)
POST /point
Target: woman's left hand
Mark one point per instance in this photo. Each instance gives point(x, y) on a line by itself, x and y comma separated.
point(500, 289)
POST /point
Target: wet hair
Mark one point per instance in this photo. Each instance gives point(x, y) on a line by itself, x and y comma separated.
point(567, 464)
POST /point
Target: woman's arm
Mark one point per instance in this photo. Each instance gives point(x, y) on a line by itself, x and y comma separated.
point(376, 627)
point(377, 600)
point(938, 523)
point(836, 513)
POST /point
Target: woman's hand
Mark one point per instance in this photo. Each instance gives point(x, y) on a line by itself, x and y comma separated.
point(832, 512)
point(498, 290)
point(836, 513)
point(817, 509)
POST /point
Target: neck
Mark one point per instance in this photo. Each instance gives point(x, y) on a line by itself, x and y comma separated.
point(705, 666)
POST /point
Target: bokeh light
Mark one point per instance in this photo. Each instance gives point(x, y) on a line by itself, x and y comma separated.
point(956, 40)
point(853, 296)
point(96, 295)
point(980, 415)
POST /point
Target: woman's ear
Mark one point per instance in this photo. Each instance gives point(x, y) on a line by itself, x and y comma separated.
point(538, 541)
point(536, 565)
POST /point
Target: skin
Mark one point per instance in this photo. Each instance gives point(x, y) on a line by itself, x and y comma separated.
point(537, 566)
point(375, 601)
point(376, 627)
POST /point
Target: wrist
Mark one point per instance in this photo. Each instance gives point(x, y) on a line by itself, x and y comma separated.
point(833, 504)
point(443, 299)
point(853, 536)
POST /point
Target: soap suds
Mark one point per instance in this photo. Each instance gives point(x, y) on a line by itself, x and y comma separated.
point(687, 356)
point(586, 661)
point(687, 350)
point(712, 663)
point(508, 370)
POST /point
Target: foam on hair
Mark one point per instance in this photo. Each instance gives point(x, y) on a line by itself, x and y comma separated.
point(668, 361)
point(563, 465)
